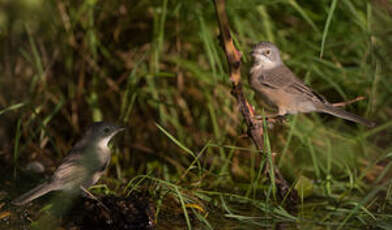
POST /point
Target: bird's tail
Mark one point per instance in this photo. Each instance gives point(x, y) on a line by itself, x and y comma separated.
point(36, 192)
point(345, 115)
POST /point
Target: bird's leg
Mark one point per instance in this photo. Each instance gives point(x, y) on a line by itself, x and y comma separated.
point(267, 116)
point(91, 196)
point(270, 117)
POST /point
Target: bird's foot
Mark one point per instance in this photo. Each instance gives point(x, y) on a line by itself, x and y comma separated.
point(91, 196)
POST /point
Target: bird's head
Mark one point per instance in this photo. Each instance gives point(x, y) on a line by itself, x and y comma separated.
point(102, 132)
point(266, 55)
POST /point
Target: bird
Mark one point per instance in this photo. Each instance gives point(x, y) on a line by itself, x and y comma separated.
point(278, 85)
point(82, 167)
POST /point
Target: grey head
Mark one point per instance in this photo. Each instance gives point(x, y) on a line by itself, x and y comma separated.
point(266, 56)
point(99, 133)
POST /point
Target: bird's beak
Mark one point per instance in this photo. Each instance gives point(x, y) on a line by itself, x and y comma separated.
point(117, 130)
point(254, 53)
point(120, 128)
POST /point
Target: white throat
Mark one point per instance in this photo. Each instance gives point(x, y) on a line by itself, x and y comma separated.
point(262, 63)
point(103, 144)
point(265, 63)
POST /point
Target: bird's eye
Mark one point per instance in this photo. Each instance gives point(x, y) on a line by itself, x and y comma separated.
point(106, 130)
point(268, 52)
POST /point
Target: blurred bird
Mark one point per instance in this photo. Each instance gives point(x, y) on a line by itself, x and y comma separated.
point(82, 167)
point(270, 77)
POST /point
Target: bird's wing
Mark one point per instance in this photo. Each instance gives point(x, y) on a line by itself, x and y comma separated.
point(282, 78)
point(277, 78)
point(71, 169)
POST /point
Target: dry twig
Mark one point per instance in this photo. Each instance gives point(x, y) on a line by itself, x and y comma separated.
point(344, 103)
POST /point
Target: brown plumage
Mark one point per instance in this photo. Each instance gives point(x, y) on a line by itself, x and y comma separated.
point(270, 77)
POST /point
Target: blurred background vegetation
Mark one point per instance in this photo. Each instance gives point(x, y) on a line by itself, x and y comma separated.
point(158, 67)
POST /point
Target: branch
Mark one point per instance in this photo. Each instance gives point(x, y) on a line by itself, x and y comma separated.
point(342, 104)
point(255, 128)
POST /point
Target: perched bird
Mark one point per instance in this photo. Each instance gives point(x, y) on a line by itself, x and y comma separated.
point(271, 78)
point(82, 167)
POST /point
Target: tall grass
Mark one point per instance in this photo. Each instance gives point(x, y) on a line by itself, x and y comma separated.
point(158, 67)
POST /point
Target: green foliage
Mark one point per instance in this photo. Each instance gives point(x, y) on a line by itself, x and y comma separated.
point(159, 68)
